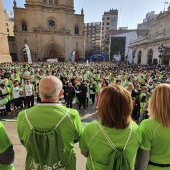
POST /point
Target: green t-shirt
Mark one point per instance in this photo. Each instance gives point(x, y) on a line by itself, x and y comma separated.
point(142, 94)
point(156, 139)
point(141, 107)
point(45, 116)
point(93, 141)
point(141, 80)
point(5, 143)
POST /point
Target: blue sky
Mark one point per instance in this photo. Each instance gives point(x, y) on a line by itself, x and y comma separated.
point(131, 12)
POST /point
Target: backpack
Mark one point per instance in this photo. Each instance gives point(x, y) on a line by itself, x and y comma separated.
point(46, 151)
point(117, 159)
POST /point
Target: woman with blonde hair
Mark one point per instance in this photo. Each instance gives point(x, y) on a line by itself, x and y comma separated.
point(154, 153)
point(115, 128)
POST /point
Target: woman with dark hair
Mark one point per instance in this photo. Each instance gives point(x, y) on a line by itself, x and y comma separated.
point(115, 108)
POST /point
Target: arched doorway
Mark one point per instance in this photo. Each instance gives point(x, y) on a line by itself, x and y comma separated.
point(165, 59)
point(139, 57)
point(150, 56)
point(53, 50)
point(155, 61)
point(77, 55)
point(53, 54)
point(166, 56)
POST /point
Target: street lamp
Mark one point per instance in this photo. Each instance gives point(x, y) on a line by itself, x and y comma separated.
point(35, 53)
point(133, 52)
point(161, 49)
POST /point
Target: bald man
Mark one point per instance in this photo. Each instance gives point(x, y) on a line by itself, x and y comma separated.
point(49, 130)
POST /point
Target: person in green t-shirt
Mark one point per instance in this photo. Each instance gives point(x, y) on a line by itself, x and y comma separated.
point(115, 107)
point(6, 150)
point(154, 152)
point(42, 118)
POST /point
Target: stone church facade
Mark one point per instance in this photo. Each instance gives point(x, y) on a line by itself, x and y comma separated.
point(4, 48)
point(50, 28)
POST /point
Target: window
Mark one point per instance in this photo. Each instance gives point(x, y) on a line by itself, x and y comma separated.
point(6, 24)
point(7, 29)
point(44, 1)
point(113, 23)
point(24, 26)
point(50, 1)
point(56, 1)
point(76, 30)
point(108, 23)
point(108, 18)
point(113, 19)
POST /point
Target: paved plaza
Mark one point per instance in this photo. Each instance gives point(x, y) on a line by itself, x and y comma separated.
point(20, 152)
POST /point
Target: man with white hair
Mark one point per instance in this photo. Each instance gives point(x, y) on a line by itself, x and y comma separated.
point(49, 130)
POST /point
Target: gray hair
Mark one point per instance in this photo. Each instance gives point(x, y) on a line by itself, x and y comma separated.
point(52, 93)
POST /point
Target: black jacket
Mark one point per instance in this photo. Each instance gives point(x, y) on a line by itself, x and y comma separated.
point(70, 92)
point(83, 91)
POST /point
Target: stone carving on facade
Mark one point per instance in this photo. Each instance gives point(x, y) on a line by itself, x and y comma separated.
point(51, 30)
point(52, 38)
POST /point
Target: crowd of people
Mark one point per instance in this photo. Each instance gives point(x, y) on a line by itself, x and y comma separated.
point(124, 96)
point(82, 83)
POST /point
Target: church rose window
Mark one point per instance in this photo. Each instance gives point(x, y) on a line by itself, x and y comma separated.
point(51, 23)
point(24, 26)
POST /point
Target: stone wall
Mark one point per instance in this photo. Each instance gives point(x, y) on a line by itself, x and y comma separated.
point(41, 38)
point(4, 48)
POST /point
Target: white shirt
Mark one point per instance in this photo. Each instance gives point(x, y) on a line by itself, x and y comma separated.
point(16, 92)
point(29, 90)
point(2, 106)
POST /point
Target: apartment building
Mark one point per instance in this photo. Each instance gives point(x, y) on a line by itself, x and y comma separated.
point(150, 17)
point(109, 22)
point(92, 36)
